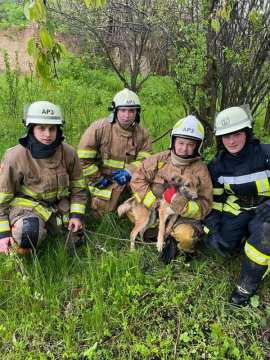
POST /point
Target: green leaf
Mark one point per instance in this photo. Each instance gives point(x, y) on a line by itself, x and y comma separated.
point(255, 301)
point(95, 3)
point(226, 12)
point(42, 66)
point(35, 10)
point(215, 25)
point(26, 10)
point(185, 337)
point(45, 38)
point(31, 47)
point(89, 353)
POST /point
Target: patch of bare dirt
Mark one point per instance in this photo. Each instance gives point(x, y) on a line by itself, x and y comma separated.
point(14, 40)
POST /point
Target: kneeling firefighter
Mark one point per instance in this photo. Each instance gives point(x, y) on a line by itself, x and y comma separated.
point(241, 210)
point(111, 149)
point(159, 171)
point(42, 188)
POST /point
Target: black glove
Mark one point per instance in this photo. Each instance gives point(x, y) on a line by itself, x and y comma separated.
point(215, 241)
point(263, 211)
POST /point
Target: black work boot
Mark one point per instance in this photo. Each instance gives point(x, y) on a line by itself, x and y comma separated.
point(248, 283)
point(169, 251)
point(240, 296)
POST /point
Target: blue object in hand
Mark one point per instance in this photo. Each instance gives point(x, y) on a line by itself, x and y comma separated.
point(122, 177)
point(103, 183)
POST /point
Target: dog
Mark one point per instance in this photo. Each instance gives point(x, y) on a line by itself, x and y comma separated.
point(186, 186)
point(143, 218)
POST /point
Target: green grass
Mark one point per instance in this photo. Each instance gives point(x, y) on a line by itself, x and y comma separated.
point(11, 15)
point(105, 302)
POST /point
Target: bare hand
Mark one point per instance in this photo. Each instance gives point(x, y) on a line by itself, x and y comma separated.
point(5, 244)
point(74, 224)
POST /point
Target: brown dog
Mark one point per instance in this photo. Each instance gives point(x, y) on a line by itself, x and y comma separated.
point(143, 218)
point(186, 186)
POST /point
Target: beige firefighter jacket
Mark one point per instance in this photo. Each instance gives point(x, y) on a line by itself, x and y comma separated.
point(157, 169)
point(105, 147)
point(43, 186)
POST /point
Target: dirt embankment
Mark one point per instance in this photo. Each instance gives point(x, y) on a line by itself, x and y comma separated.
point(13, 40)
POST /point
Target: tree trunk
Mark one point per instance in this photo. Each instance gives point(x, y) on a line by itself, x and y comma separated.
point(266, 125)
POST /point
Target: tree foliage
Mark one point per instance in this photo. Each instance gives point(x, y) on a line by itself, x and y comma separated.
point(126, 32)
point(225, 60)
point(44, 48)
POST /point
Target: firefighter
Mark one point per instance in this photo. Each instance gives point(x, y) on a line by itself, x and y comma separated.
point(240, 173)
point(157, 172)
point(111, 149)
point(42, 189)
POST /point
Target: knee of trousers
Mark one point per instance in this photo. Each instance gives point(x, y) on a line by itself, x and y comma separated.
point(28, 232)
point(184, 234)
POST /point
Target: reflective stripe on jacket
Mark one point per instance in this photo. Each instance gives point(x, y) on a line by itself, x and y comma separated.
point(105, 147)
point(150, 180)
point(241, 182)
point(40, 185)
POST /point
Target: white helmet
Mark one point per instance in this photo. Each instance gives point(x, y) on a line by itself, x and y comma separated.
point(190, 128)
point(233, 119)
point(126, 98)
point(42, 112)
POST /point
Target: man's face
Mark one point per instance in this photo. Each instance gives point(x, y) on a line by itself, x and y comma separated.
point(45, 134)
point(184, 147)
point(234, 142)
point(126, 116)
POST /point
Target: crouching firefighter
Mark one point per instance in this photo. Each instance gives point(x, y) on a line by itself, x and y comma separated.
point(156, 176)
point(42, 189)
point(111, 149)
point(241, 210)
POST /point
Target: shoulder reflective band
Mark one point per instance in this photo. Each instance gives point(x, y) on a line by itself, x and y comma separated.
point(136, 163)
point(87, 154)
point(117, 164)
point(149, 199)
point(5, 197)
point(263, 187)
point(41, 210)
point(90, 170)
point(143, 154)
point(243, 179)
point(101, 193)
point(218, 191)
point(217, 206)
point(4, 226)
point(80, 183)
point(193, 209)
point(257, 257)
point(77, 208)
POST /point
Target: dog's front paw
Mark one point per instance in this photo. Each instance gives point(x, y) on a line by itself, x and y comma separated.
point(159, 246)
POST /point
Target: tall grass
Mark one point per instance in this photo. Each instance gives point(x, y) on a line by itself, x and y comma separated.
point(104, 302)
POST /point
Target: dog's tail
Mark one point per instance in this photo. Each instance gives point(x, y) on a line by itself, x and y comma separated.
point(125, 207)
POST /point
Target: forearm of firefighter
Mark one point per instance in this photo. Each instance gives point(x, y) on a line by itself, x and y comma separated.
point(78, 191)
point(141, 184)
